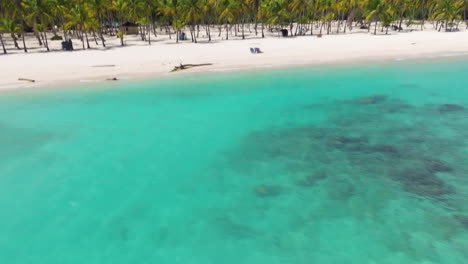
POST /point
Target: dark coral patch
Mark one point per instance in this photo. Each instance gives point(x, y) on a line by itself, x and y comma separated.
point(311, 179)
point(423, 183)
point(434, 165)
point(450, 108)
point(265, 190)
point(375, 99)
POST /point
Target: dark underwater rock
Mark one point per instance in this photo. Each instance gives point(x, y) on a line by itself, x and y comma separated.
point(360, 144)
point(423, 183)
point(265, 190)
point(434, 165)
point(450, 108)
point(341, 190)
point(336, 144)
point(395, 108)
point(235, 229)
point(311, 179)
point(385, 149)
point(462, 219)
point(359, 148)
point(348, 140)
point(375, 99)
point(340, 142)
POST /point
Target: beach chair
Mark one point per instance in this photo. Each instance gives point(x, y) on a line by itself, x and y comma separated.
point(257, 50)
point(252, 50)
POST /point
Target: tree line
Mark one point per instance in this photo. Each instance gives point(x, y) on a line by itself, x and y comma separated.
point(95, 19)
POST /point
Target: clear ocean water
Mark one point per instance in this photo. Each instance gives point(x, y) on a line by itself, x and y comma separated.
point(357, 163)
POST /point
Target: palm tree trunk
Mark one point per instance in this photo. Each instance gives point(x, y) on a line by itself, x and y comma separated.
point(36, 32)
point(256, 24)
point(263, 34)
point(375, 28)
point(291, 25)
point(121, 33)
point(401, 21)
point(82, 39)
point(24, 42)
point(176, 33)
point(102, 38)
point(149, 32)
point(227, 31)
point(3, 44)
point(243, 36)
point(14, 40)
point(154, 29)
point(45, 41)
point(95, 39)
point(194, 36)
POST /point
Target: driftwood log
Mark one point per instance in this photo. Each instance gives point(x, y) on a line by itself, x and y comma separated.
point(188, 66)
point(102, 66)
point(25, 79)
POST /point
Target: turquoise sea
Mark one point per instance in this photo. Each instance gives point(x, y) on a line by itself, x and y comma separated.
point(360, 163)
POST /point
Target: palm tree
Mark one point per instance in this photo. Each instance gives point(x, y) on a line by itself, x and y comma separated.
point(379, 13)
point(121, 7)
point(77, 17)
point(9, 25)
point(3, 44)
point(208, 10)
point(192, 13)
point(170, 9)
point(42, 28)
point(97, 9)
point(448, 11)
point(35, 11)
point(228, 12)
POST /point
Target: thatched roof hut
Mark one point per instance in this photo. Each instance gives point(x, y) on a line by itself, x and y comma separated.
point(129, 28)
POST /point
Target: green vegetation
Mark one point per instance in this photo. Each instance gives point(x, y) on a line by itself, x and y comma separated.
point(100, 18)
point(57, 37)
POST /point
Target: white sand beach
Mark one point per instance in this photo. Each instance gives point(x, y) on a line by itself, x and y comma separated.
point(137, 59)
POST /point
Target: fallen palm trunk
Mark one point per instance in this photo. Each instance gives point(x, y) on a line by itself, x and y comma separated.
point(188, 66)
point(27, 80)
point(110, 65)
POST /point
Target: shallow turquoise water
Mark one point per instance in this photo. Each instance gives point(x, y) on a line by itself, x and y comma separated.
point(332, 164)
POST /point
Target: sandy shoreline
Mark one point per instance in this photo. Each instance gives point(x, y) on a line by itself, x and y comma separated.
point(138, 60)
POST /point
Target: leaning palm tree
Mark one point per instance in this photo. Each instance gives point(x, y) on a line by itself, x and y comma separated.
point(3, 44)
point(8, 25)
point(35, 11)
point(192, 13)
point(170, 9)
point(228, 13)
point(299, 7)
point(121, 7)
point(42, 29)
point(97, 9)
point(448, 11)
point(76, 18)
point(379, 13)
